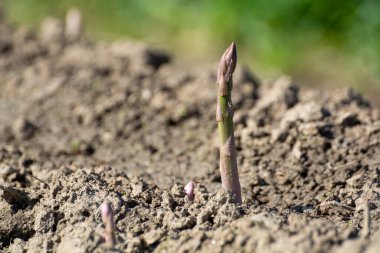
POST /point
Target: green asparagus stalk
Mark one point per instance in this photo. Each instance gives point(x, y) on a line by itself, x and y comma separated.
point(224, 117)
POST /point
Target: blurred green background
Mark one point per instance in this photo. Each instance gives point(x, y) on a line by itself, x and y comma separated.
point(320, 43)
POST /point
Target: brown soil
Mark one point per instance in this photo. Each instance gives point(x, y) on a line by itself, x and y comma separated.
point(81, 122)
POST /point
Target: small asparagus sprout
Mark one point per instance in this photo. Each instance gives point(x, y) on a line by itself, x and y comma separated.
point(367, 220)
point(224, 117)
point(189, 189)
point(73, 25)
point(107, 217)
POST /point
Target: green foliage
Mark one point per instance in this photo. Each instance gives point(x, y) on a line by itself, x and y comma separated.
point(291, 36)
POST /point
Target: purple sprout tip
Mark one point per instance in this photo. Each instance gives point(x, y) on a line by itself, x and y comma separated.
point(227, 64)
point(189, 189)
point(107, 217)
point(231, 58)
point(233, 52)
point(106, 211)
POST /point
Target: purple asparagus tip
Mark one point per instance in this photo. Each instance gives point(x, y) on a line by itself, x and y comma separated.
point(107, 218)
point(227, 63)
point(189, 189)
point(106, 211)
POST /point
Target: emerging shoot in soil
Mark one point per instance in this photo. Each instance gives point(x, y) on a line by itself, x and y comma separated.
point(107, 217)
point(224, 117)
point(367, 220)
point(189, 189)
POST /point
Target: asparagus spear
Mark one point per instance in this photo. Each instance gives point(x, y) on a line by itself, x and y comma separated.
point(224, 117)
point(107, 217)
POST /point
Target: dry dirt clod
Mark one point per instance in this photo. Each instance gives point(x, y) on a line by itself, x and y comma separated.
point(5, 171)
point(14, 196)
point(23, 128)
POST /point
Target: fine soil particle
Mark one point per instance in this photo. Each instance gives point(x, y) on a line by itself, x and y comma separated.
point(84, 122)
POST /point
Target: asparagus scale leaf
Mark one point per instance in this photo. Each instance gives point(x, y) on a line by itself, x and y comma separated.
point(224, 117)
